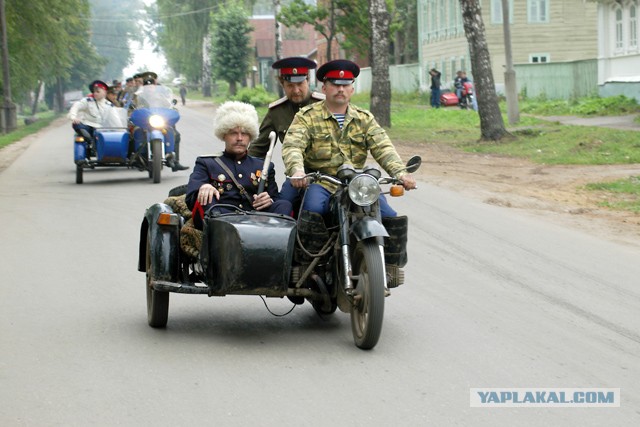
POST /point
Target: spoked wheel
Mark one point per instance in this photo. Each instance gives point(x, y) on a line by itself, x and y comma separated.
point(79, 172)
point(367, 309)
point(157, 301)
point(156, 160)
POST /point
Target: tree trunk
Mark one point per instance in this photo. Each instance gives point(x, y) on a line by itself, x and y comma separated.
point(491, 122)
point(36, 98)
point(380, 84)
point(206, 65)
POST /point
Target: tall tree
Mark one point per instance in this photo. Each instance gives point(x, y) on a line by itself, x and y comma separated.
point(181, 27)
point(491, 121)
point(49, 42)
point(230, 44)
point(114, 23)
point(323, 18)
point(380, 84)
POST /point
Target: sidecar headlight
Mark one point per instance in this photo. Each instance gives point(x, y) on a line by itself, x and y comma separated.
point(157, 121)
point(364, 190)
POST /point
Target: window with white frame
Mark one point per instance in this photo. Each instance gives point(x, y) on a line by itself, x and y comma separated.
point(619, 40)
point(539, 58)
point(538, 11)
point(496, 12)
point(633, 27)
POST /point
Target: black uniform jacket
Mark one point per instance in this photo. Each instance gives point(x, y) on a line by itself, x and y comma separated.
point(247, 172)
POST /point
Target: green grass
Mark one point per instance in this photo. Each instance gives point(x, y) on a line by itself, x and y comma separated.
point(623, 194)
point(44, 119)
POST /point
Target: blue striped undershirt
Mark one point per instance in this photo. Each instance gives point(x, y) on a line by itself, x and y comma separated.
point(339, 118)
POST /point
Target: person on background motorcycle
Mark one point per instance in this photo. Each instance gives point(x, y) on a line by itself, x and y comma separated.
point(461, 78)
point(162, 94)
point(126, 95)
point(112, 96)
point(325, 135)
point(91, 111)
point(293, 75)
point(233, 176)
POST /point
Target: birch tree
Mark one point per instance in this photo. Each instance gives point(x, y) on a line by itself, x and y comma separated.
point(491, 122)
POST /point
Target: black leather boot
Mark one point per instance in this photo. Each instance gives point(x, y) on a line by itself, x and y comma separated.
point(395, 249)
point(175, 164)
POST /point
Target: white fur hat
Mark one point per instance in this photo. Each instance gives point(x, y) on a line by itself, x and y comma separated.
point(234, 114)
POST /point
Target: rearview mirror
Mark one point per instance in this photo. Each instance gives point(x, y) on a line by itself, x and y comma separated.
point(414, 164)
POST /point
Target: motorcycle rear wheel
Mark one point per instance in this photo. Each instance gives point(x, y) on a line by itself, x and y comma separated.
point(157, 301)
point(367, 310)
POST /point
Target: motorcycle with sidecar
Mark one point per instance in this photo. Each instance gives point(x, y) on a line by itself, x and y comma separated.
point(146, 144)
point(347, 260)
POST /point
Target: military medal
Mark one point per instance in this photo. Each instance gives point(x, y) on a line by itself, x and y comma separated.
point(229, 187)
point(221, 177)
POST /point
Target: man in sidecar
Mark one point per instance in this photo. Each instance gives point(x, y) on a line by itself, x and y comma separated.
point(91, 112)
point(233, 177)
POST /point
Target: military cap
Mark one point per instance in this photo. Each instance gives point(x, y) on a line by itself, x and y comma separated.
point(98, 83)
point(148, 75)
point(339, 72)
point(294, 69)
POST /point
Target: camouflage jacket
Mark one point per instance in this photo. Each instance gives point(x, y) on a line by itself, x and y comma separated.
point(315, 142)
point(278, 119)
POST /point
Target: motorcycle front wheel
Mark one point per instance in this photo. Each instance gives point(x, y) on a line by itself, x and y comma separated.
point(367, 310)
point(156, 160)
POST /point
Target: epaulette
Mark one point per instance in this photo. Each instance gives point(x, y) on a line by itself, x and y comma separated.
point(278, 102)
point(218, 154)
point(318, 96)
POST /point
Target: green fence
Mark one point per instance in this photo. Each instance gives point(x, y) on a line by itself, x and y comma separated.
point(558, 80)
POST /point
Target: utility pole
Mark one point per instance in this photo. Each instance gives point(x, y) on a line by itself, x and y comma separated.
point(9, 120)
point(278, 35)
point(511, 90)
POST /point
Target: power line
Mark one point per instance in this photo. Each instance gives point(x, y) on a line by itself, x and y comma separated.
point(174, 15)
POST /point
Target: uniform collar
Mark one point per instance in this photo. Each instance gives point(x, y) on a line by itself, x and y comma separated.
point(233, 156)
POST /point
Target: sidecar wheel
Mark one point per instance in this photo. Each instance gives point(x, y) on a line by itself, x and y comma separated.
point(156, 159)
point(79, 174)
point(157, 301)
point(367, 310)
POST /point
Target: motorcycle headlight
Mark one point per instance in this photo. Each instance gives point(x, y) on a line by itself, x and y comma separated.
point(364, 190)
point(157, 121)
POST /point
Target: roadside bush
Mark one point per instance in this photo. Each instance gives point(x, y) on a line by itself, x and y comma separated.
point(258, 96)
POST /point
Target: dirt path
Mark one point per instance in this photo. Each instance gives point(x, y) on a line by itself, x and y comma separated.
point(553, 192)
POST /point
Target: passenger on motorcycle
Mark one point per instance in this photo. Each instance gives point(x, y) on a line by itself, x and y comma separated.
point(233, 177)
point(458, 83)
point(160, 97)
point(325, 135)
point(91, 112)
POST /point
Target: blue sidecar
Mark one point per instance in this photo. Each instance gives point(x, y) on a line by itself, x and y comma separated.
point(144, 141)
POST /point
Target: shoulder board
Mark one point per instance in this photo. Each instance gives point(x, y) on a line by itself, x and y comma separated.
point(361, 110)
point(278, 102)
point(89, 98)
point(218, 154)
point(318, 96)
point(109, 103)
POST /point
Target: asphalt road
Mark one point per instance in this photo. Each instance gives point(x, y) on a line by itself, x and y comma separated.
point(493, 299)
